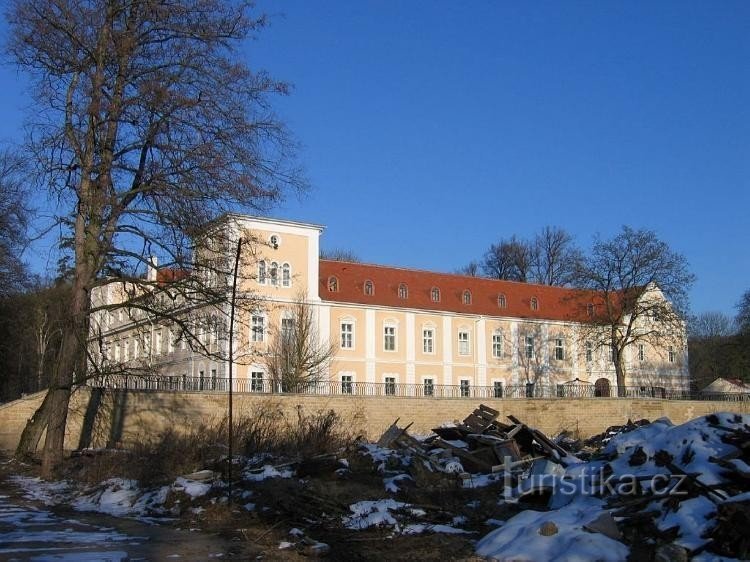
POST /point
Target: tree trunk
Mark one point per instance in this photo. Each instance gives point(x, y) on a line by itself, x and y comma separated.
point(620, 373)
point(32, 433)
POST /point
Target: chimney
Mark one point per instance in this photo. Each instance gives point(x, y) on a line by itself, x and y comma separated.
point(151, 271)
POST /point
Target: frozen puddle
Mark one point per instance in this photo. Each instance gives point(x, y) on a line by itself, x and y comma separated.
point(28, 533)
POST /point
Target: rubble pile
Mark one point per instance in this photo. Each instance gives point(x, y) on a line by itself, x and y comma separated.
point(647, 491)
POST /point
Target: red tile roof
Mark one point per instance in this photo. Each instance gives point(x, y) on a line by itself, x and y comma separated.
point(554, 303)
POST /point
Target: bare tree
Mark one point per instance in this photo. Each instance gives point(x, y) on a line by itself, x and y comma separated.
point(530, 353)
point(743, 313)
point(296, 356)
point(339, 254)
point(471, 269)
point(635, 291)
point(707, 325)
point(13, 224)
point(147, 125)
point(509, 259)
point(554, 257)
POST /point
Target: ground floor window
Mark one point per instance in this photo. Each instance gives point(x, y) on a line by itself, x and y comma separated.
point(390, 386)
point(346, 384)
point(465, 387)
point(256, 381)
point(429, 387)
point(497, 389)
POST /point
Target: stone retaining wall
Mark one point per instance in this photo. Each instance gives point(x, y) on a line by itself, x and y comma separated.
point(130, 416)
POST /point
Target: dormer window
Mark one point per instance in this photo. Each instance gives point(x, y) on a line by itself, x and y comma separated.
point(501, 302)
point(369, 288)
point(534, 303)
point(403, 291)
point(590, 309)
point(333, 284)
point(467, 297)
point(435, 294)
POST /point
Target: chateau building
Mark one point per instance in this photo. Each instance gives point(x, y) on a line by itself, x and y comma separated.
point(393, 330)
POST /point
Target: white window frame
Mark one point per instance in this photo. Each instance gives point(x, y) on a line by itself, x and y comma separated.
point(287, 326)
point(347, 383)
point(464, 386)
point(388, 380)
point(286, 275)
point(368, 288)
point(257, 329)
point(559, 347)
point(428, 340)
point(529, 345)
point(159, 342)
point(497, 345)
point(346, 337)
point(641, 352)
point(256, 381)
point(589, 350)
point(393, 336)
point(671, 356)
point(262, 272)
point(464, 342)
point(273, 274)
point(170, 341)
point(498, 383)
point(435, 294)
point(428, 382)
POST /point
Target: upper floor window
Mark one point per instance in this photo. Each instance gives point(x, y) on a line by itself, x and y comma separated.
point(534, 303)
point(369, 288)
point(347, 335)
point(497, 345)
point(287, 328)
point(428, 340)
point(670, 350)
point(403, 291)
point(501, 302)
point(286, 275)
point(333, 284)
point(463, 343)
point(435, 294)
point(257, 328)
point(467, 297)
point(389, 338)
point(530, 352)
point(262, 272)
point(559, 349)
point(589, 352)
point(641, 352)
point(274, 273)
point(274, 241)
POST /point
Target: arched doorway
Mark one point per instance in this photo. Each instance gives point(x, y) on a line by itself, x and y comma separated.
point(601, 388)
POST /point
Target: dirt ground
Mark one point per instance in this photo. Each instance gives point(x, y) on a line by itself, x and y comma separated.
point(314, 504)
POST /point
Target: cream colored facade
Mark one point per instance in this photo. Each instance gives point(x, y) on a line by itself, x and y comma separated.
point(384, 345)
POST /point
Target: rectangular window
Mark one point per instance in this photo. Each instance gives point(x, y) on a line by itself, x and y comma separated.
point(136, 348)
point(559, 349)
point(346, 384)
point(126, 350)
point(463, 343)
point(671, 354)
point(117, 351)
point(256, 381)
point(389, 338)
point(390, 386)
point(428, 340)
point(497, 389)
point(465, 387)
point(429, 387)
point(170, 341)
point(287, 328)
point(529, 347)
point(641, 352)
point(201, 379)
point(497, 346)
point(589, 352)
point(158, 347)
point(258, 329)
point(214, 379)
point(347, 335)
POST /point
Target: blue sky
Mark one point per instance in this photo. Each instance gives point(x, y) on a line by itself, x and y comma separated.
point(431, 129)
